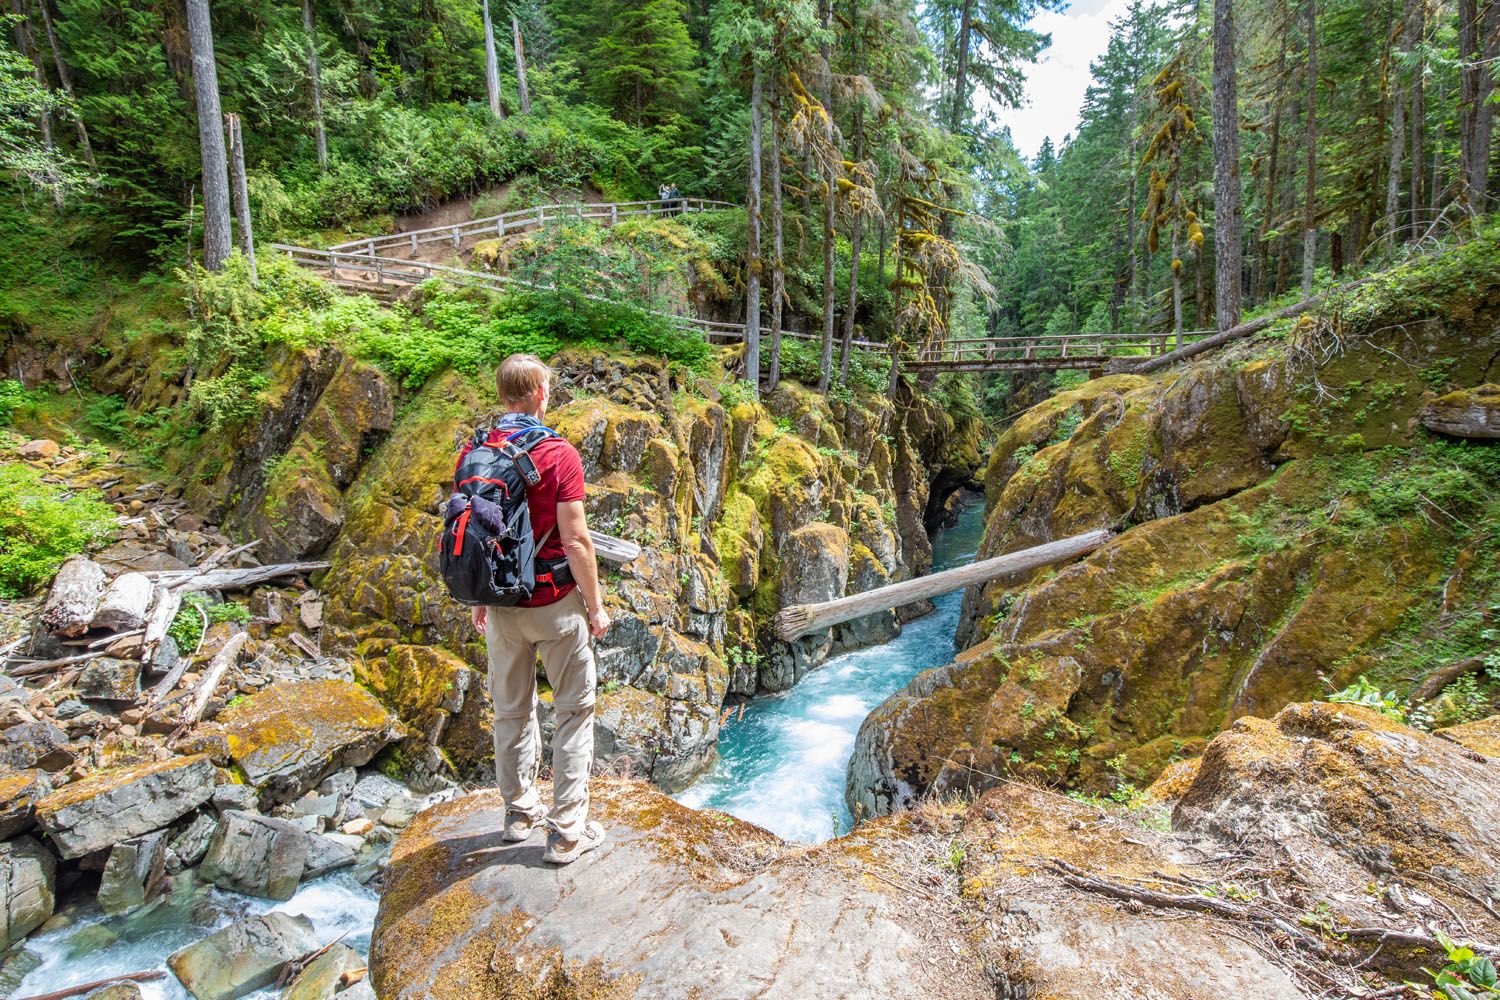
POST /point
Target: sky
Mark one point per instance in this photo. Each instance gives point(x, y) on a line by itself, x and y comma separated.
point(1056, 85)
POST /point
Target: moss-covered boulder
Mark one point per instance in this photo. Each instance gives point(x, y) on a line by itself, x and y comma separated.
point(1466, 413)
point(443, 702)
point(1344, 784)
point(1481, 736)
point(291, 736)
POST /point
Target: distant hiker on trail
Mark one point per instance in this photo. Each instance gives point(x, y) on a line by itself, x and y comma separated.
point(546, 600)
point(673, 194)
point(663, 192)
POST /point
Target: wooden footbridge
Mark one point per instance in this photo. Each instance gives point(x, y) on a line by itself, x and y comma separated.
point(380, 265)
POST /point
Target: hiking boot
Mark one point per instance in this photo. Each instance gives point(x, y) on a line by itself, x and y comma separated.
point(518, 827)
point(565, 852)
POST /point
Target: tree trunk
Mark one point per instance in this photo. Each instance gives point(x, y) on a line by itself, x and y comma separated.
point(525, 92)
point(854, 248)
point(752, 210)
point(1439, 135)
point(315, 77)
point(1484, 116)
point(491, 63)
point(65, 77)
point(216, 240)
point(1268, 203)
point(896, 307)
point(961, 75)
point(241, 191)
point(1176, 269)
point(778, 243)
point(74, 598)
point(1228, 238)
point(1470, 73)
point(1416, 34)
point(1394, 223)
point(830, 204)
point(1132, 211)
point(857, 231)
point(28, 48)
point(1310, 207)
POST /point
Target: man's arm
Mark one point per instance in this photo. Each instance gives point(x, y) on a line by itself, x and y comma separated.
point(573, 529)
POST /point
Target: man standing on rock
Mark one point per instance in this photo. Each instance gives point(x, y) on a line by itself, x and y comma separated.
point(555, 623)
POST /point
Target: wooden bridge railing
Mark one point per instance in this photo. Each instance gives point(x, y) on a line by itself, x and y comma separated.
point(496, 226)
point(1078, 350)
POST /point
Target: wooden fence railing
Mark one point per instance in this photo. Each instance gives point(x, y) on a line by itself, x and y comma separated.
point(496, 226)
point(381, 272)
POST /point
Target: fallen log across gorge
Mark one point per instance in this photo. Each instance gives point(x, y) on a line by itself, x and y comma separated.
point(799, 619)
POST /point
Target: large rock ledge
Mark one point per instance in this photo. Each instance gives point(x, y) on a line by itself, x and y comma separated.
point(1023, 893)
point(677, 903)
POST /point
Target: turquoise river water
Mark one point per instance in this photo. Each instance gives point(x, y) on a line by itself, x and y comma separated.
point(782, 765)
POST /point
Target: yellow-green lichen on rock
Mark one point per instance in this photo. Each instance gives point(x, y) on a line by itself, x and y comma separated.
point(290, 736)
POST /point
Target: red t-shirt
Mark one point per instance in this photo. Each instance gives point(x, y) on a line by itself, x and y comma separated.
point(561, 470)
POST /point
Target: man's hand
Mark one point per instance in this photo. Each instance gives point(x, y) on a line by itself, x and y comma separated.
point(598, 622)
point(479, 615)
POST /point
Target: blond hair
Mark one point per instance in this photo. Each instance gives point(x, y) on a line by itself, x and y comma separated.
point(519, 377)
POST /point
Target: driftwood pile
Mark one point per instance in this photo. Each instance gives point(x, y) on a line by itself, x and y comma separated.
point(127, 617)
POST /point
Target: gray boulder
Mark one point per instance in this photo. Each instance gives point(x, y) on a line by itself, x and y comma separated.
point(373, 791)
point(243, 957)
point(361, 990)
point(34, 745)
point(1467, 413)
point(241, 797)
point(116, 991)
point(110, 679)
point(260, 856)
point(102, 809)
point(27, 889)
point(134, 873)
point(191, 844)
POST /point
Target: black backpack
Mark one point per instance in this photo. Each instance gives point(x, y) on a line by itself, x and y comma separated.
point(487, 553)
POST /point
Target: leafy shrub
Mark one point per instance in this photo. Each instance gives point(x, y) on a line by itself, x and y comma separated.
point(41, 525)
point(1362, 692)
point(187, 627)
point(13, 395)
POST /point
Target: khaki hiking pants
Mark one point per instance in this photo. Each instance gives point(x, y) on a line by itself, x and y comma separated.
point(559, 633)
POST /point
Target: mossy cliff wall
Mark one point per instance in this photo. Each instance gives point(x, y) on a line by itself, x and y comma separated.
point(740, 507)
point(1287, 526)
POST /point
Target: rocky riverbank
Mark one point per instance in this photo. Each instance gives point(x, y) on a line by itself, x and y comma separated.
point(171, 721)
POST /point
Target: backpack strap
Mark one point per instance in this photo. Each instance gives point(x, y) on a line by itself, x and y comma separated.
point(518, 451)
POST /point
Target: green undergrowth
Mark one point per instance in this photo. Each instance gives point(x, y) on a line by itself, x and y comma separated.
point(468, 330)
point(41, 524)
point(1424, 284)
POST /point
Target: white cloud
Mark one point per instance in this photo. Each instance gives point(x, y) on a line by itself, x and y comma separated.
point(1056, 84)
